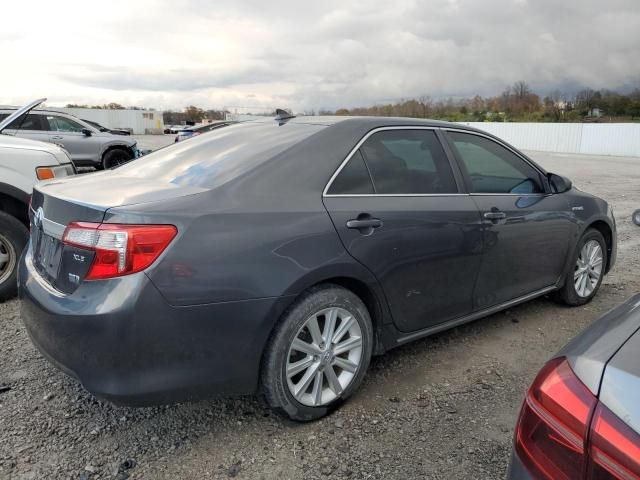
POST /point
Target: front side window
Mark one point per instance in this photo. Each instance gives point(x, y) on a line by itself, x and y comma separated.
point(491, 168)
point(408, 162)
point(62, 124)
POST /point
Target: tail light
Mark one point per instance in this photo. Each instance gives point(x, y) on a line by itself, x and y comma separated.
point(564, 433)
point(614, 447)
point(119, 249)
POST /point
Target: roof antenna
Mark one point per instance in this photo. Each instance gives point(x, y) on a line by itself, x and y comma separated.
point(282, 116)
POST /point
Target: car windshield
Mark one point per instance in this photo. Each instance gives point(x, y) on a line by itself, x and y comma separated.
point(211, 160)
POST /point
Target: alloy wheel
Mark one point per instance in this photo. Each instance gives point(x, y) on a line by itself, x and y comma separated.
point(324, 357)
point(7, 259)
point(588, 268)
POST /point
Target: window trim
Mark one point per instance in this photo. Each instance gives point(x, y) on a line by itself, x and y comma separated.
point(382, 129)
point(521, 156)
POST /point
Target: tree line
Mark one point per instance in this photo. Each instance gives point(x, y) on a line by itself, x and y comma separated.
point(517, 103)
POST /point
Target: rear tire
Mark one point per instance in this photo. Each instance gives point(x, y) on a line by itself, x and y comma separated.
point(115, 157)
point(341, 317)
point(13, 238)
point(573, 293)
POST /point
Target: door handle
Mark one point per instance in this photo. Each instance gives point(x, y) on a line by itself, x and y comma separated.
point(365, 223)
point(57, 137)
point(495, 215)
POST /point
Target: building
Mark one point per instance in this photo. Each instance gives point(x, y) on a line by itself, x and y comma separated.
point(138, 122)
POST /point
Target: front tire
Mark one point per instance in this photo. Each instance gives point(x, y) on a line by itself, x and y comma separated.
point(13, 238)
point(318, 354)
point(583, 281)
point(115, 157)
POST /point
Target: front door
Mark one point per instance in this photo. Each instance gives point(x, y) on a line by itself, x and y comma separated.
point(399, 211)
point(67, 133)
point(527, 230)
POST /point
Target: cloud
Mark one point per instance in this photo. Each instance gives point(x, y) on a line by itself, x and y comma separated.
point(313, 54)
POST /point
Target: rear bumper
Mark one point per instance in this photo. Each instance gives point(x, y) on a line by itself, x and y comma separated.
point(124, 343)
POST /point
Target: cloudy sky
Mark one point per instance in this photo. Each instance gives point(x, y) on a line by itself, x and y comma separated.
point(310, 55)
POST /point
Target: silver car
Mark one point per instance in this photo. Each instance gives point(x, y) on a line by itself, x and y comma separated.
point(87, 145)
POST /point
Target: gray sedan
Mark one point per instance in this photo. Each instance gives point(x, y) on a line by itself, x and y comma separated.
point(581, 417)
point(279, 256)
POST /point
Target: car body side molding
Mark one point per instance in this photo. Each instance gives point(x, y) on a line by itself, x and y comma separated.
point(474, 316)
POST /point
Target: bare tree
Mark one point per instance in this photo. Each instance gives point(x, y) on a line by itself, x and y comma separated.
point(520, 90)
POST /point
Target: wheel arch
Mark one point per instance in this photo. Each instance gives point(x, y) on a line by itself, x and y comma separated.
point(116, 146)
point(605, 229)
point(15, 202)
point(361, 284)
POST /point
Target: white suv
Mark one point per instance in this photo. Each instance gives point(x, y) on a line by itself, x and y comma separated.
point(23, 162)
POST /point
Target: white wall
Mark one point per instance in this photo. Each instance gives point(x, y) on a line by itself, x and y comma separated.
point(620, 139)
point(140, 121)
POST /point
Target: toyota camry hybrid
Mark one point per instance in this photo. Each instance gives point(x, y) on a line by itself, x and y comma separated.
point(276, 257)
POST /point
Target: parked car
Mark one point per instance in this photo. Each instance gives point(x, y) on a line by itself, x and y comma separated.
point(581, 417)
point(114, 131)
point(87, 146)
point(172, 129)
point(22, 163)
point(195, 131)
point(278, 256)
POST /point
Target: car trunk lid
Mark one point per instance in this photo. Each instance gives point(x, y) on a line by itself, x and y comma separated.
point(620, 388)
point(85, 198)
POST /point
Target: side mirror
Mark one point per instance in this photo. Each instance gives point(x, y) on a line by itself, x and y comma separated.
point(559, 184)
point(636, 217)
point(86, 132)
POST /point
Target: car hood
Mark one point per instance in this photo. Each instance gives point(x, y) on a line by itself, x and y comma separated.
point(19, 112)
point(8, 141)
point(589, 352)
point(127, 140)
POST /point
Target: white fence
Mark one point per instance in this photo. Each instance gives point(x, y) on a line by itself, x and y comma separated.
point(620, 139)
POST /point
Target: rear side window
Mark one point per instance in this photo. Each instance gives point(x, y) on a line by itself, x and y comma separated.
point(408, 162)
point(491, 168)
point(353, 179)
point(30, 122)
point(208, 161)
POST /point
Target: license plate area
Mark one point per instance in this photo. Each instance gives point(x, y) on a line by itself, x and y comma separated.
point(48, 251)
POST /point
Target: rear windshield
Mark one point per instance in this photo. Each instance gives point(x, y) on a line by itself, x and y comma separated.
point(214, 158)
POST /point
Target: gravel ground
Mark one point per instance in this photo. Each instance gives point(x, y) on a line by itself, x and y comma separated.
point(442, 407)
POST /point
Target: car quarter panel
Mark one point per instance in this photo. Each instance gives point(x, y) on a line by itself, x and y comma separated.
point(620, 389)
point(166, 354)
point(589, 352)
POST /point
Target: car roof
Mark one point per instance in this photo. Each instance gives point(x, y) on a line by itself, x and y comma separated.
point(39, 110)
point(368, 122)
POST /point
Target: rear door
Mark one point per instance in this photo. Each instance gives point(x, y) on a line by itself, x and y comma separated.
point(526, 229)
point(398, 207)
point(32, 126)
point(68, 133)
